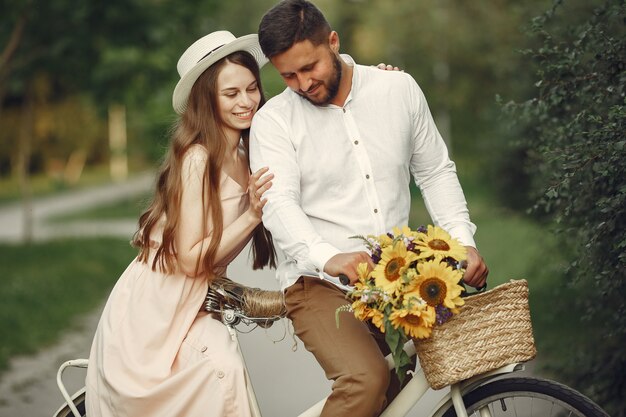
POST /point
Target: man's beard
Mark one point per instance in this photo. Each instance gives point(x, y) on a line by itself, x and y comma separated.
point(332, 87)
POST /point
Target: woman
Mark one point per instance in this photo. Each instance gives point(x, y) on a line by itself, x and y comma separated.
point(155, 352)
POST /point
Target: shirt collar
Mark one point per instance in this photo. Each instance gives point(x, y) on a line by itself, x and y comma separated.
point(355, 79)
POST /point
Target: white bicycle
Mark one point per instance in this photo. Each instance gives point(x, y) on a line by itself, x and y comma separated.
point(496, 393)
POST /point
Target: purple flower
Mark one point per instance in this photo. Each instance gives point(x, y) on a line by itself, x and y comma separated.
point(443, 314)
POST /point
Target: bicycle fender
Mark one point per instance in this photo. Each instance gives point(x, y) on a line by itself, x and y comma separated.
point(473, 383)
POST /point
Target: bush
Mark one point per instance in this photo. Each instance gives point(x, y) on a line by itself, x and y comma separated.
point(576, 163)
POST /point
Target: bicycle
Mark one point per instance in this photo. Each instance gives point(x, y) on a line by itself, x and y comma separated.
point(495, 393)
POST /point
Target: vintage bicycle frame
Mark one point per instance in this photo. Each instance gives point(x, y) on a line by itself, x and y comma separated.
point(417, 387)
point(232, 304)
point(399, 407)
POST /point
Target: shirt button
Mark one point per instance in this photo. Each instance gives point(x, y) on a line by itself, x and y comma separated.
point(356, 142)
point(220, 374)
point(344, 110)
point(375, 210)
point(204, 348)
point(367, 176)
point(317, 270)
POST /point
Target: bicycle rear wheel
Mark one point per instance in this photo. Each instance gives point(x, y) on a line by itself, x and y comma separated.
point(531, 397)
point(79, 402)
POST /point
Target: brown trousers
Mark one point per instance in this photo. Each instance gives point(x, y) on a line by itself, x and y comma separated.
point(352, 355)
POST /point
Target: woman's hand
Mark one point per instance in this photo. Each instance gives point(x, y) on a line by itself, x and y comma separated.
point(387, 67)
point(258, 183)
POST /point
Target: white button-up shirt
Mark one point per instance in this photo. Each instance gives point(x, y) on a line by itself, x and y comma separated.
point(345, 171)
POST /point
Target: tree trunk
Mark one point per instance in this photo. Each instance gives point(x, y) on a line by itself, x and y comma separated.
point(25, 139)
point(8, 52)
point(117, 142)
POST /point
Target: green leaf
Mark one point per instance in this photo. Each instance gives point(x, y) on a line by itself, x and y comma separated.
point(396, 339)
point(347, 308)
point(551, 193)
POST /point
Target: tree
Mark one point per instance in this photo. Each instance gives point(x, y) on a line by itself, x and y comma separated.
point(63, 62)
point(575, 128)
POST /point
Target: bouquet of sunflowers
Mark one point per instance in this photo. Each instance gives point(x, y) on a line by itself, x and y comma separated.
point(415, 285)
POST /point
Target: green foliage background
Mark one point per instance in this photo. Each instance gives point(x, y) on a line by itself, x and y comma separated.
point(574, 139)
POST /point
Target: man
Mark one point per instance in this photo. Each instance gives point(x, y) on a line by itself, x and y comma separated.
point(343, 141)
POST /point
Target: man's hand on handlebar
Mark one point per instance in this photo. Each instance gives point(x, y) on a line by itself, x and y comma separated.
point(346, 264)
point(476, 271)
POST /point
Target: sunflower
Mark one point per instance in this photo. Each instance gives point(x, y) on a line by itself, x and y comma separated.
point(405, 231)
point(361, 310)
point(437, 242)
point(378, 320)
point(410, 277)
point(438, 284)
point(364, 312)
point(362, 271)
point(415, 322)
point(393, 263)
point(414, 285)
point(384, 240)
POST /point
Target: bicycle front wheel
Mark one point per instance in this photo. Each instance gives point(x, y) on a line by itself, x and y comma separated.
point(530, 397)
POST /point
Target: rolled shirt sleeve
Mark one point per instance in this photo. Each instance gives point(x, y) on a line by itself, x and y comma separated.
point(283, 215)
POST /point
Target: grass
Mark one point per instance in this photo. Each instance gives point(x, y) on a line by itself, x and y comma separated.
point(45, 286)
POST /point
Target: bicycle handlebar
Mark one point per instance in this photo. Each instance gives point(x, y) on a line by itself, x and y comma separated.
point(343, 278)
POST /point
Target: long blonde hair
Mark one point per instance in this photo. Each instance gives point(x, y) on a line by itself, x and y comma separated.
point(199, 124)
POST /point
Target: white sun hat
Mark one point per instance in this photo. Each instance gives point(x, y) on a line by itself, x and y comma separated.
point(206, 51)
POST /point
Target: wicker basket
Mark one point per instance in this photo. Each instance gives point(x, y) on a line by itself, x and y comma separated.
point(492, 329)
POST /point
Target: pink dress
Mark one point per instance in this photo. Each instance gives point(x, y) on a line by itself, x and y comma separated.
point(155, 352)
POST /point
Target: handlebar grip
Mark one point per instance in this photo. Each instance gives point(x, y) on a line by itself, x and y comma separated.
point(343, 278)
point(478, 290)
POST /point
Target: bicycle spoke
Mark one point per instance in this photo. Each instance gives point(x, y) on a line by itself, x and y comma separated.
point(528, 397)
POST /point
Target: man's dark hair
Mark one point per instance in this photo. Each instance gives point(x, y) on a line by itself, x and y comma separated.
point(290, 22)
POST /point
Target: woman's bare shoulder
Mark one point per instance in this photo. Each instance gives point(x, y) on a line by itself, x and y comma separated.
point(194, 161)
point(196, 151)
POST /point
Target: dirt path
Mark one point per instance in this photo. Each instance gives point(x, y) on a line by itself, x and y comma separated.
point(29, 387)
point(11, 215)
